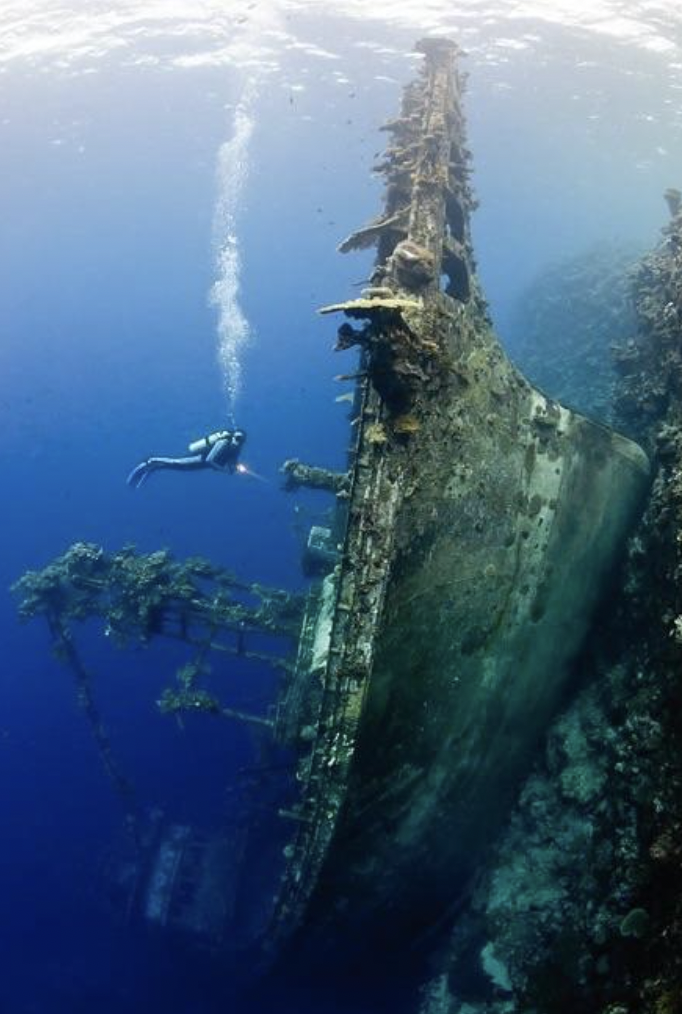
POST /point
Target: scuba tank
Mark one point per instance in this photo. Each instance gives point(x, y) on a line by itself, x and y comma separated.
point(207, 442)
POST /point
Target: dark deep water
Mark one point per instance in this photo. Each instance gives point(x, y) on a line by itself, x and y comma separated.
point(108, 354)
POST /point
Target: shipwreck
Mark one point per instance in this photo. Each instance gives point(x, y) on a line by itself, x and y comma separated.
point(475, 531)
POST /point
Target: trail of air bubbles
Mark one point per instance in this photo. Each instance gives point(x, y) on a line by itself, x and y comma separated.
point(233, 328)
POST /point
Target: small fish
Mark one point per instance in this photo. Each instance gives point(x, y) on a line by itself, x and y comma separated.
point(348, 396)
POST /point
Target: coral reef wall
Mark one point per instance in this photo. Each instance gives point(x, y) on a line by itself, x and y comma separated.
point(564, 324)
point(581, 905)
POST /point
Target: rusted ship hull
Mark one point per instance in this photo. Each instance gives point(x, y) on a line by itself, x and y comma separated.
point(483, 522)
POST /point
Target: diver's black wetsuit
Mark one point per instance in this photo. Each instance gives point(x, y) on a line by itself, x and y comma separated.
point(220, 451)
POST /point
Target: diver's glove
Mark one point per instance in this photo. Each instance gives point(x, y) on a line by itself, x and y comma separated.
point(140, 474)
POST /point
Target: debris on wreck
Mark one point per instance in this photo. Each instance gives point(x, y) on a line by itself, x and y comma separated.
point(299, 474)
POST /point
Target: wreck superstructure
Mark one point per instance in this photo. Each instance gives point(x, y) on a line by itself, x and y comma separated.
point(474, 533)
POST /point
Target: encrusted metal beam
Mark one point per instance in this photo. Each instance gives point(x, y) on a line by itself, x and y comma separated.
point(313, 477)
point(377, 487)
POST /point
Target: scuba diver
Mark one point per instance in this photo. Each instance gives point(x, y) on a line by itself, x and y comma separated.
point(219, 451)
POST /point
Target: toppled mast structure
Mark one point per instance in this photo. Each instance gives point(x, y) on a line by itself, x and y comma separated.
point(483, 520)
point(177, 879)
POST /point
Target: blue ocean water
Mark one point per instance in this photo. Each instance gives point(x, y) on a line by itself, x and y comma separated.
point(108, 353)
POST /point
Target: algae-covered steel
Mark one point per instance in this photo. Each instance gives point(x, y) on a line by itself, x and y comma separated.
point(483, 521)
